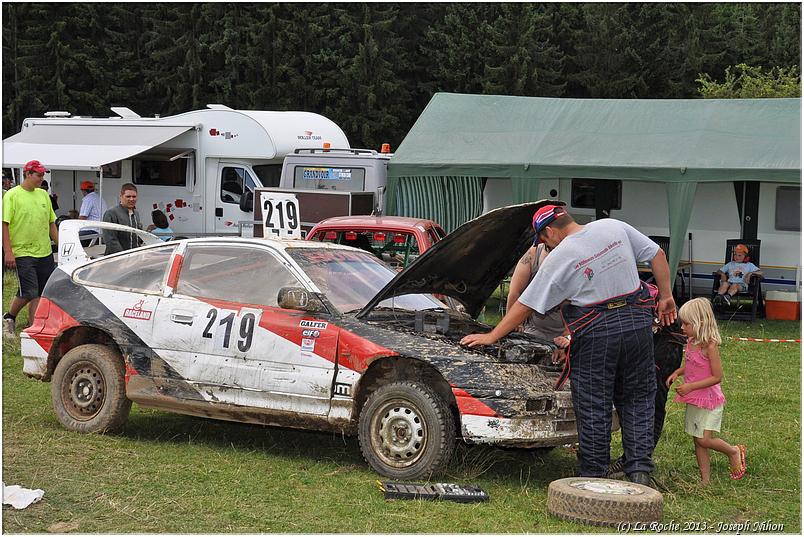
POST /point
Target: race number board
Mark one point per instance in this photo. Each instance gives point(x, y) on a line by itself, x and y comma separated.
point(280, 216)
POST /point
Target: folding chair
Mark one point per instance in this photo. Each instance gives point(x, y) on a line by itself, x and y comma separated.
point(754, 291)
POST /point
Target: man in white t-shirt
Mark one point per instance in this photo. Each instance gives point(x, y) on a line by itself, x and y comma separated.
point(592, 272)
point(92, 208)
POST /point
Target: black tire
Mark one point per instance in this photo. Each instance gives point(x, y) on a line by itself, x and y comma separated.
point(406, 431)
point(89, 390)
point(603, 502)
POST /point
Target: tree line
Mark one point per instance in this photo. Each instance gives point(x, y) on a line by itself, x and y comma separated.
point(372, 67)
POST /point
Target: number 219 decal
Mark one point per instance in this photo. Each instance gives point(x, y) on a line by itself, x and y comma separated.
point(245, 329)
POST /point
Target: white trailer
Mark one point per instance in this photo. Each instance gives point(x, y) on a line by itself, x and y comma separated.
point(715, 218)
point(194, 166)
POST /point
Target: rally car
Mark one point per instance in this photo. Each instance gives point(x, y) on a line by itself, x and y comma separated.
point(301, 334)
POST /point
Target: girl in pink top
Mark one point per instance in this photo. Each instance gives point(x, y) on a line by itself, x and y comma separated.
point(702, 371)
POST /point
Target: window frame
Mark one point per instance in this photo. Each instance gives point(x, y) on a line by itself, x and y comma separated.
point(136, 166)
point(163, 285)
point(246, 179)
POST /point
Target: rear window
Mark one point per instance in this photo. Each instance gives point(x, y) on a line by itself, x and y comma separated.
point(397, 249)
point(329, 178)
point(140, 270)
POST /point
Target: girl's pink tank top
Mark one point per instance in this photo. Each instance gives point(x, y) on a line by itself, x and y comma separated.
point(697, 367)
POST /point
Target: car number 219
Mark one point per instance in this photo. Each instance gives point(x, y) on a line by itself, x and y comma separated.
point(224, 326)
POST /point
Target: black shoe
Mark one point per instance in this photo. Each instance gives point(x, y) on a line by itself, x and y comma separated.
point(640, 478)
point(616, 469)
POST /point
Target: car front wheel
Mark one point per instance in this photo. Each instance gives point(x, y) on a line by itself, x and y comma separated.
point(89, 391)
point(406, 431)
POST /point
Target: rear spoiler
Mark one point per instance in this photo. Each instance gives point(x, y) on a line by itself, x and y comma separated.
point(70, 249)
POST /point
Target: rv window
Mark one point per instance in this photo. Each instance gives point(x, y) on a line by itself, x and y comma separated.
point(588, 193)
point(234, 183)
point(788, 208)
point(329, 178)
point(112, 170)
point(160, 172)
point(233, 273)
point(269, 174)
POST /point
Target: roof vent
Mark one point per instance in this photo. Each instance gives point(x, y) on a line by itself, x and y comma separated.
point(57, 113)
point(125, 113)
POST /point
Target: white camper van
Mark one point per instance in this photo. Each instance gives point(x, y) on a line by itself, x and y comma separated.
point(197, 166)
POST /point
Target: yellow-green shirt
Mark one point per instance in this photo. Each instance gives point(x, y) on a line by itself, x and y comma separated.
point(28, 215)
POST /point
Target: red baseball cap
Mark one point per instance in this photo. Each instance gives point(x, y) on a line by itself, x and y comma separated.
point(87, 185)
point(34, 166)
point(543, 216)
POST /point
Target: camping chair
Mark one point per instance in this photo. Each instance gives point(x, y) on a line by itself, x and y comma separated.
point(754, 291)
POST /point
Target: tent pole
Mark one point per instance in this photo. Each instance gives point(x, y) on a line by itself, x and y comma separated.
point(742, 212)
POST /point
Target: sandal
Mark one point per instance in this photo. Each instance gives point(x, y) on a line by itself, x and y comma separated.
point(738, 474)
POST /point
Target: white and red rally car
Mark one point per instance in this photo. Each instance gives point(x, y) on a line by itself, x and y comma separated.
point(301, 334)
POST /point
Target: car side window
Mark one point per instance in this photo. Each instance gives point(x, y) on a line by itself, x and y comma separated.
point(140, 270)
point(243, 274)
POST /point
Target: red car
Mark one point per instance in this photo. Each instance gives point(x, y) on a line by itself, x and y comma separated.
point(397, 240)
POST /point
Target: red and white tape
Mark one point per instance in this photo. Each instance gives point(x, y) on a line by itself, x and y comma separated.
point(761, 340)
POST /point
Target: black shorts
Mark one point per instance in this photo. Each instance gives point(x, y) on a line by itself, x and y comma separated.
point(32, 273)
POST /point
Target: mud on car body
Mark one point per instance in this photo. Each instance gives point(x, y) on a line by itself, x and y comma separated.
point(302, 334)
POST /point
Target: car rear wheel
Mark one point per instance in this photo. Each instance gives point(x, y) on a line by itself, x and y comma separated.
point(89, 391)
point(406, 431)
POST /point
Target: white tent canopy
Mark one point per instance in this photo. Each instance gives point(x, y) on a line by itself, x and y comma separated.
point(66, 147)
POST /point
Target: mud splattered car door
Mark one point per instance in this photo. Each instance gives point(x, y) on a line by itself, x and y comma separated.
point(223, 332)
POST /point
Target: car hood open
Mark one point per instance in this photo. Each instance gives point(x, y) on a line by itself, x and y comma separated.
point(469, 263)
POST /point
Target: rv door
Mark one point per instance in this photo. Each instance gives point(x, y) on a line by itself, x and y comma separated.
point(234, 181)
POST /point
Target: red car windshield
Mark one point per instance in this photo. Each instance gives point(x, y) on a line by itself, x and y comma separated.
point(350, 279)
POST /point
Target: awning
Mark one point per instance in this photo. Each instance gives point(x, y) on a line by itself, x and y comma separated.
point(84, 147)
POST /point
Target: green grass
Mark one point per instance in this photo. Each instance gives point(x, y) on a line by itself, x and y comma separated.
point(174, 474)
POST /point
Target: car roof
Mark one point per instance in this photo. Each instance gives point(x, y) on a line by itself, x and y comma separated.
point(398, 222)
point(275, 243)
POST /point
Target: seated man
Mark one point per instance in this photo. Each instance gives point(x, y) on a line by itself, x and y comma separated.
point(735, 275)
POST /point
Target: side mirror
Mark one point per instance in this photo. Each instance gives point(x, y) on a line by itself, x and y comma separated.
point(299, 298)
point(247, 202)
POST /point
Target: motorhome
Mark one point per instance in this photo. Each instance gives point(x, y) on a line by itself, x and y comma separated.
point(196, 166)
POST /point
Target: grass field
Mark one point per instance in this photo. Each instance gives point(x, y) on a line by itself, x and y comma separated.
point(173, 474)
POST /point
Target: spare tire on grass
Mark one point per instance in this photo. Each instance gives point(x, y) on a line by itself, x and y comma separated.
point(603, 502)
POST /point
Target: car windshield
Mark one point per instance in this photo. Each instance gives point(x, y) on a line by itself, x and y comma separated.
point(350, 279)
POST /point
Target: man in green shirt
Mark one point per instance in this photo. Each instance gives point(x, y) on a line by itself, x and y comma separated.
point(28, 227)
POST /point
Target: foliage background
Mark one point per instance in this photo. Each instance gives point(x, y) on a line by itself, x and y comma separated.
point(371, 68)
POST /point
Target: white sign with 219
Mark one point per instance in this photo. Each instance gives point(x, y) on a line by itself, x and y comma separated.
point(280, 216)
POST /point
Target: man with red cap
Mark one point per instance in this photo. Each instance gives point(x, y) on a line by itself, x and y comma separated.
point(28, 227)
point(592, 272)
point(92, 208)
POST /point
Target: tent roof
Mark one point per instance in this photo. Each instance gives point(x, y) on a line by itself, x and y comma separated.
point(684, 140)
point(73, 147)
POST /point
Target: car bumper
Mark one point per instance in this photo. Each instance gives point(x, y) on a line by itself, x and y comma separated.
point(34, 357)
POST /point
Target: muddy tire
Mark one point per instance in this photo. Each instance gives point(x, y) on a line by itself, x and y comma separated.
point(406, 431)
point(603, 502)
point(89, 390)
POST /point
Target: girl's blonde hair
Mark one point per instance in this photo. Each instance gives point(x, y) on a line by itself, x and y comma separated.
point(698, 313)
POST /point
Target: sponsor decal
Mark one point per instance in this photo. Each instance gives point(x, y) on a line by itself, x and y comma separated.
point(310, 333)
point(320, 325)
point(589, 273)
point(342, 389)
point(226, 135)
point(309, 135)
point(67, 249)
point(307, 345)
point(136, 312)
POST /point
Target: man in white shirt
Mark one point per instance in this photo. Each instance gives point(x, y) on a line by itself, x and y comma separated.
point(92, 208)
